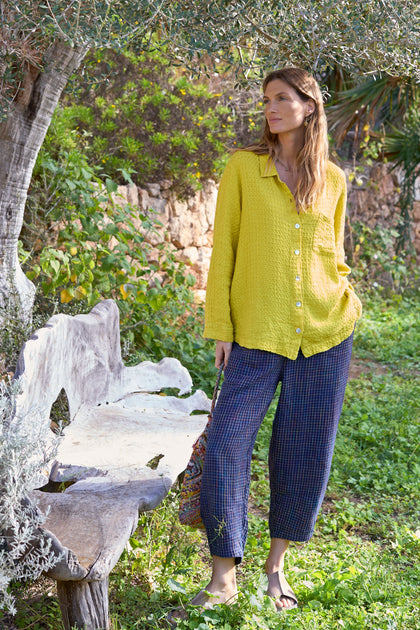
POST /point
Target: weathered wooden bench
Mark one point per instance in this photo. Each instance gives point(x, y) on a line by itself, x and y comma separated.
point(117, 429)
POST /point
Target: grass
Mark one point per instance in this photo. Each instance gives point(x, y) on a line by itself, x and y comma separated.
point(360, 570)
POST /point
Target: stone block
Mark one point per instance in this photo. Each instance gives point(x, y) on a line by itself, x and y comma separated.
point(159, 205)
point(201, 267)
point(178, 207)
point(417, 190)
point(184, 231)
point(199, 296)
point(153, 189)
point(189, 255)
point(152, 236)
point(144, 202)
point(126, 195)
point(132, 195)
point(208, 200)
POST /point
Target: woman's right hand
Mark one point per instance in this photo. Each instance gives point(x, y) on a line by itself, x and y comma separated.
point(223, 350)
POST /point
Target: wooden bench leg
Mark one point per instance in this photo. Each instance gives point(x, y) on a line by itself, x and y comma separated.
point(84, 604)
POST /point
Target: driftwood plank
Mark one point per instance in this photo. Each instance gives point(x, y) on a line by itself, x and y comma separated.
point(82, 355)
point(119, 443)
point(96, 526)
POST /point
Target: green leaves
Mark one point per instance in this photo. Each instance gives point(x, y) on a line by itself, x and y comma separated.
point(251, 37)
point(176, 586)
point(110, 185)
point(153, 120)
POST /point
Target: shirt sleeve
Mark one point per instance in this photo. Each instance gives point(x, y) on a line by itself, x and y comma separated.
point(339, 227)
point(218, 322)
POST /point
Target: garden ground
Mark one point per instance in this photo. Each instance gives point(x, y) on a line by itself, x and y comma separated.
point(360, 570)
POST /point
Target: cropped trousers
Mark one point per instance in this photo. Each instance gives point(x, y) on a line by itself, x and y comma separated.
point(301, 447)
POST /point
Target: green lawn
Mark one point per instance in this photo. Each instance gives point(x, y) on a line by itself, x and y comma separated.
point(360, 570)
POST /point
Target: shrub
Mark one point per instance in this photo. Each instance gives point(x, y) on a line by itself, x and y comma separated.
point(374, 261)
point(150, 119)
point(25, 449)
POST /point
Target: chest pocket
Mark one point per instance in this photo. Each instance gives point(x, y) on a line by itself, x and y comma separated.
point(324, 236)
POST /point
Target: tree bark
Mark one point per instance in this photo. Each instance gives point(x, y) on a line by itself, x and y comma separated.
point(21, 137)
point(84, 604)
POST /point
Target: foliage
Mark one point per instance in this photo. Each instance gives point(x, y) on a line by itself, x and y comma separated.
point(389, 332)
point(317, 34)
point(403, 146)
point(251, 36)
point(28, 30)
point(380, 117)
point(14, 333)
point(96, 246)
point(150, 120)
point(375, 264)
point(383, 431)
point(364, 104)
point(26, 447)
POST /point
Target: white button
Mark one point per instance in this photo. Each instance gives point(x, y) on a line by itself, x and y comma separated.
point(297, 226)
point(297, 252)
point(298, 304)
point(297, 278)
point(298, 330)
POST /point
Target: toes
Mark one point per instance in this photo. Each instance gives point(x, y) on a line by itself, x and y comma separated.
point(279, 589)
point(284, 602)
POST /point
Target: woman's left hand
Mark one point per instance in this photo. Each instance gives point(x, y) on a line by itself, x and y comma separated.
point(223, 350)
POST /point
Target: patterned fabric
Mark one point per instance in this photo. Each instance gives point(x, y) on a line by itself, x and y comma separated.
point(189, 501)
point(301, 449)
point(277, 279)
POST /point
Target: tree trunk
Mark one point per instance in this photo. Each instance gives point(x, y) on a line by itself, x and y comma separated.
point(21, 137)
point(84, 604)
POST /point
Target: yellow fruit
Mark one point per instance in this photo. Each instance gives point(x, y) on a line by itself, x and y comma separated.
point(123, 292)
point(65, 296)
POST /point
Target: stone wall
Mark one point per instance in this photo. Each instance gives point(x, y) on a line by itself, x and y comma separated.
point(188, 225)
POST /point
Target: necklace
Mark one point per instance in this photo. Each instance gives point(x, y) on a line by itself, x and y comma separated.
point(287, 169)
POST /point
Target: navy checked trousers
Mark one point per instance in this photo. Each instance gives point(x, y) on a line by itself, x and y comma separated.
point(301, 448)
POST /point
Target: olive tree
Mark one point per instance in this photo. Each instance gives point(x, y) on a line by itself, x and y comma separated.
point(43, 42)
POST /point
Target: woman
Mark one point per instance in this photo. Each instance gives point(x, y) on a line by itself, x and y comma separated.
point(282, 310)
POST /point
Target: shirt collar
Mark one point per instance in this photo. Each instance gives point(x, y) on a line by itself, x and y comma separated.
point(264, 171)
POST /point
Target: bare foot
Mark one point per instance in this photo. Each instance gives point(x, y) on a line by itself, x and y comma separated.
point(209, 597)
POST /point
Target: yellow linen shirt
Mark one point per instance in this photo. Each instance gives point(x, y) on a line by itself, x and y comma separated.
point(277, 278)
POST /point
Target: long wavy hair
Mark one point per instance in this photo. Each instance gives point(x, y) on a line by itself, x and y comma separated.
point(313, 157)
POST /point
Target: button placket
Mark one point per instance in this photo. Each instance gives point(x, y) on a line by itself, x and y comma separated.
point(298, 319)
